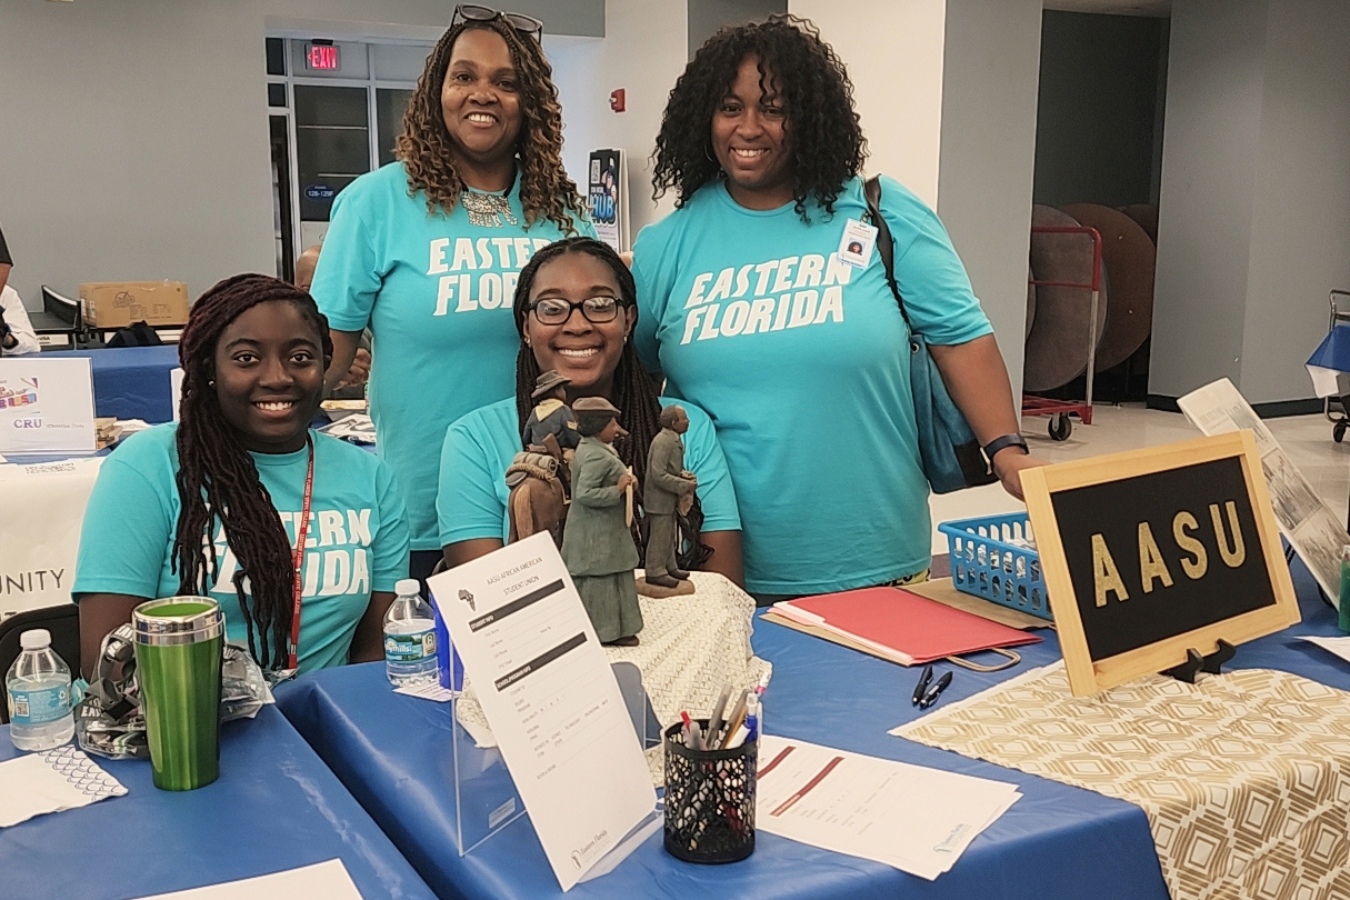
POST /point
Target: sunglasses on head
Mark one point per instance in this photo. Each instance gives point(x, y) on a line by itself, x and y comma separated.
point(528, 26)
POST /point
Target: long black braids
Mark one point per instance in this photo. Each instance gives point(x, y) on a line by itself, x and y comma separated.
point(825, 136)
point(217, 480)
point(633, 392)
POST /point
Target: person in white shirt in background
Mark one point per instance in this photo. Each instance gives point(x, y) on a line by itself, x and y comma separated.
point(17, 337)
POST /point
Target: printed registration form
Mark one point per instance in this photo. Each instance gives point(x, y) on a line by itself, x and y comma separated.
point(918, 819)
point(551, 699)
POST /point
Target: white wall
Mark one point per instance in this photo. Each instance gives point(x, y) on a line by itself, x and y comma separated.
point(643, 52)
point(991, 72)
point(1254, 227)
point(893, 51)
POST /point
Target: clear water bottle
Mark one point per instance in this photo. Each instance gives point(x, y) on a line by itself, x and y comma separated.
point(38, 690)
point(409, 637)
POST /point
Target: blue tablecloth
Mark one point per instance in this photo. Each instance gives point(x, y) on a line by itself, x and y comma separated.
point(130, 382)
point(1056, 842)
point(274, 807)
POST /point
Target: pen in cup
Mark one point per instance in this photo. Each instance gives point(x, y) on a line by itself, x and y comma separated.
point(715, 720)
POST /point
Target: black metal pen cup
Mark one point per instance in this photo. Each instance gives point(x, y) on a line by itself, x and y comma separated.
point(710, 800)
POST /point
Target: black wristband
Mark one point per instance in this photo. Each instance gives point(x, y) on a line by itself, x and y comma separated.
point(1003, 442)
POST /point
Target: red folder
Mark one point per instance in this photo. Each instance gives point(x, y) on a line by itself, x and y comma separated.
point(900, 625)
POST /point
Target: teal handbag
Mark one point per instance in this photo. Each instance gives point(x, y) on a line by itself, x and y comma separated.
point(949, 452)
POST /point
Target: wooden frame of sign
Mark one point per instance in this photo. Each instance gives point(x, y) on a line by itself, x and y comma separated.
point(1150, 553)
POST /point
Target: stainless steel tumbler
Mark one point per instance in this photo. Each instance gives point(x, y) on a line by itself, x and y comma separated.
point(178, 648)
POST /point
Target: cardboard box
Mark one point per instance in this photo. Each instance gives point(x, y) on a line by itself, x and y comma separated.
point(116, 304)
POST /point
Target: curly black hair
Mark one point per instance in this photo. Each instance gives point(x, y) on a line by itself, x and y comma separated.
point(826, 139)
point(427, 151)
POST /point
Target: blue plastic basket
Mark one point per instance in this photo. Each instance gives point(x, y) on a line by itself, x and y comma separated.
point(986, 564)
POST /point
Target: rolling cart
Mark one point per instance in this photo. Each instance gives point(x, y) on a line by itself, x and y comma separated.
point(1059, 411)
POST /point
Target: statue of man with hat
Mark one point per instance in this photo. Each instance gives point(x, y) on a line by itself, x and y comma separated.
point(551, 415)
point(597, 543)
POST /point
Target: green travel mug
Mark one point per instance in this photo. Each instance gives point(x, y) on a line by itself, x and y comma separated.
point(178, 648)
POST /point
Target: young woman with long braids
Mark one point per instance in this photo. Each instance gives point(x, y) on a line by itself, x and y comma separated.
point(425, 251)
point(575, 307)
point(751, 308)
point(215, 504)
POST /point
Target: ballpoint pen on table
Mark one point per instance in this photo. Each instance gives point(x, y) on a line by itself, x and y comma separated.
point(931, 696)
point(924, 680)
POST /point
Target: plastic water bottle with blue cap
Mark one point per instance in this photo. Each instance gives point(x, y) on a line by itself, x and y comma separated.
point(37, 688)
point(409, 637)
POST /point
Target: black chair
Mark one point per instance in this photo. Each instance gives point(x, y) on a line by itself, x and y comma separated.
point(59, 325)
point(62, 621)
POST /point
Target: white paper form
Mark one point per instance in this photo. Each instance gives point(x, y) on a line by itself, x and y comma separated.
point(326, 879)
point(551, 699)
point(918, 819)
point(1305, 520)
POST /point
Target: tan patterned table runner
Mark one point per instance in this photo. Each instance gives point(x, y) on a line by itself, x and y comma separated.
point(1245, 777)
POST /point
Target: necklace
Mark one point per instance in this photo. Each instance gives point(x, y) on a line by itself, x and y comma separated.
point(488, 210)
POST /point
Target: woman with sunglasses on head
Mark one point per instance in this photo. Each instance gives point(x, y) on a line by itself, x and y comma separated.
point(575, 308)
point(220, 503)
point(752, 309)
point(426, 250)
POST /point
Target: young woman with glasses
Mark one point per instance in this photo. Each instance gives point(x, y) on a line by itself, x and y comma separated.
point(426, 250)
point(575, 307)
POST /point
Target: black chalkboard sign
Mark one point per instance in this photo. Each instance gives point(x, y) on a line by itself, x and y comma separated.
point(1149, 553)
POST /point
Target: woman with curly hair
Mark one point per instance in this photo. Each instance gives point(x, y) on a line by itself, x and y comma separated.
point(220, 503)
point(753, 306)
point(574, 308)
point(426, 250)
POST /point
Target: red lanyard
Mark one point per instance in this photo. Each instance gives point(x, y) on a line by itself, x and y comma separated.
point(298, 558)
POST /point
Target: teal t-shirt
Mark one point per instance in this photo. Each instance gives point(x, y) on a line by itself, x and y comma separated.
point(802, 362)
point(357, 541)
point(479, 447)
point(436, 293)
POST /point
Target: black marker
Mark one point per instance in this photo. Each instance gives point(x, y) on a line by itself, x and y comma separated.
point(922, 686)
point(931, 697)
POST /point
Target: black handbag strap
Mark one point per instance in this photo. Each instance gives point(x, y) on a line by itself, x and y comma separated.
point(886, 247)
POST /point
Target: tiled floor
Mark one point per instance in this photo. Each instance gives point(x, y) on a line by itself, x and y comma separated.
point(1307, 440)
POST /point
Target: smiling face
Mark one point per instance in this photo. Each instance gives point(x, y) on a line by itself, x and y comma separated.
point(584, 351)
point(480, 103)
point(269, 376)
point(750, 140)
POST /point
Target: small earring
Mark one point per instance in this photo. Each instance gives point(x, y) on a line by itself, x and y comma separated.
point(211, 383)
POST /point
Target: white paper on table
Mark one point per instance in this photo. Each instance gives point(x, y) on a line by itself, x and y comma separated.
point(918, 819)
point(1337, 645)
point(52, 781)
point(551, 699)
point(431, 691)
point(329, 880)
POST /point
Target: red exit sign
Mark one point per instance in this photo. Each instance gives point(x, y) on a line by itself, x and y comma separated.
point(321, 56)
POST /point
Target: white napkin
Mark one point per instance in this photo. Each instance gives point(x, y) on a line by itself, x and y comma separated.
point(51, 781)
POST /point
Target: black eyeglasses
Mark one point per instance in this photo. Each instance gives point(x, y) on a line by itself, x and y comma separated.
point(472, 12)
point(556, 311)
